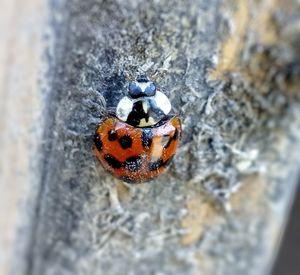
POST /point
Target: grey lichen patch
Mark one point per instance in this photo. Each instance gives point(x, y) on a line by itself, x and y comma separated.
point(235, 125)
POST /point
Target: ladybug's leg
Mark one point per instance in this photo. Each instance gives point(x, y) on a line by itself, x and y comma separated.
point(94, 102)
point(136, 190)
point(114, 197)
point(129, 186)
point(111, 111)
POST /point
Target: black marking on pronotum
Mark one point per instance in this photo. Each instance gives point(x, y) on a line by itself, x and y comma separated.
point(137, 114)
point(133, 164)
point(146, 137)
point(125, 142)
point(98, 142)
point(155, 165)
point(112, 162)
point(112, 135)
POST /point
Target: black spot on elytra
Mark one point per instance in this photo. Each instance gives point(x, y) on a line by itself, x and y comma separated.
point(113, 162)
point(167, 162)
point(146, 137)
point(127, 179)
point(176, 134)
point(133, 164)
point(125, 142)
point(98, 142)
point(166, 141)
point(112, 135)
point(155, 165)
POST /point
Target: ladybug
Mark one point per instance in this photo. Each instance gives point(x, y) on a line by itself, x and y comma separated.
point(137, 142)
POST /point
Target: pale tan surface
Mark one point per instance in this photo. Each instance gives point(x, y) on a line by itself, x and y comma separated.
point(20, 57)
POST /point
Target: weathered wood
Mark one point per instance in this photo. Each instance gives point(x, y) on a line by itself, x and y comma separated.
point(232, 69)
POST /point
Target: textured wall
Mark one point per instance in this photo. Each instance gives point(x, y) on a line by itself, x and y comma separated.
point(232, 71)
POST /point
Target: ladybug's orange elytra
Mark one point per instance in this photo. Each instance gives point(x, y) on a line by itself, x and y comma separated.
point(136, 154)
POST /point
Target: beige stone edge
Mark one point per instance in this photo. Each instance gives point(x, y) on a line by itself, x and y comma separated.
point(21, 49)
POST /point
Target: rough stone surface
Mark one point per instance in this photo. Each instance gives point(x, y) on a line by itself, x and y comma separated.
point(231, 69)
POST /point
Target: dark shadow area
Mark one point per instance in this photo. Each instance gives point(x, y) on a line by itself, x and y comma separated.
point(288, 260)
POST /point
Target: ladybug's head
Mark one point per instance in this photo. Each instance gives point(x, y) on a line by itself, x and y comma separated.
point(141, 87)
point(145, 105)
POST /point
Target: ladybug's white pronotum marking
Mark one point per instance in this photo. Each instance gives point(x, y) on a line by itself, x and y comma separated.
point(124, 108)
point(163, 102)
point(145, 106)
